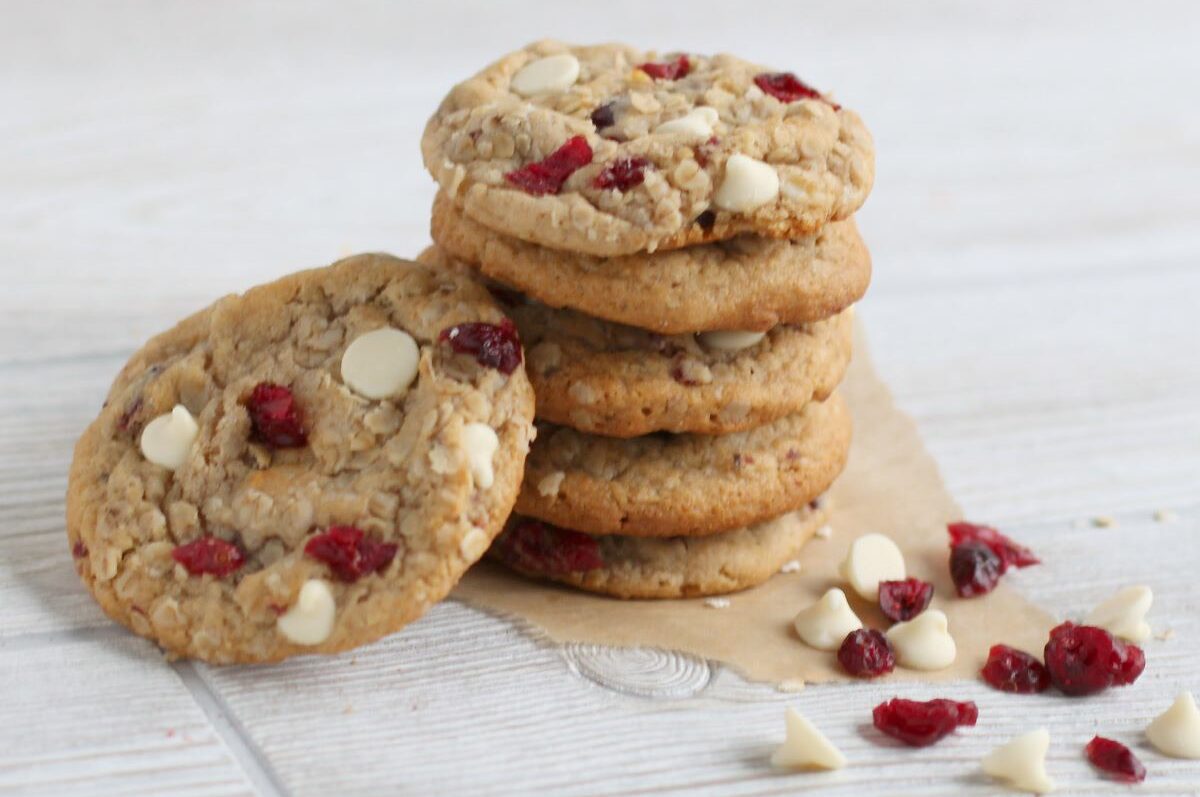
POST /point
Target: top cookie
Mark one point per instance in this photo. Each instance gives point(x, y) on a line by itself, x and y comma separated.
point(608, 150)
point(303, 468)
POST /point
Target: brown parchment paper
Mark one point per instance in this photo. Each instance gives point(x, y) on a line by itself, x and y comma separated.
point(891, 484)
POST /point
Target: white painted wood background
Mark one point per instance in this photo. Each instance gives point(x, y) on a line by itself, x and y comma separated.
point(1037, 247)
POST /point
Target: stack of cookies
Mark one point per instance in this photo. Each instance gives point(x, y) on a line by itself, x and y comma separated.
point(672, 237)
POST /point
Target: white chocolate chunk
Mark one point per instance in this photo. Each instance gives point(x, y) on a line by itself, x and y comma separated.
point(1176, 732)
point(872, 558)
point(924, 642)
point(1124, 614)
point(717, 603)
point(380, 363)
point(696, 124)
point(474, 543)
point(730, 339)
point(805, 747)
point(167, 439)
point(825, 624)
point(1021, 763)
point(480, 442)
point(748, 183)
point(552, 73)
point(310, 620)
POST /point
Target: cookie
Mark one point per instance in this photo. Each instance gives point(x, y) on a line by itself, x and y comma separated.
point(674, 485)
point(745, 282)
point(305, 467)
point(608, 150)
point(669, 567)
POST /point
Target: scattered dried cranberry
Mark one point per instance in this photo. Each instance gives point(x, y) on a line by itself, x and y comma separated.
point(209, 555)
point(786, 87)
point(866, 654)
point(125, 422)
point(603, 116)
point(921, 724)
point(975, 569)
point(901, 601)
point(1116, 759)
point(1084, 659)
point(350, 553)
point(706, 220)
point(275, 417)
point(705, 151)
point(493, 345)
point(1012, 670)
point(1013, 554)
point(548, 175)
point(622, 174)
point(668, 70)
point(538, 547)
point(79, 549)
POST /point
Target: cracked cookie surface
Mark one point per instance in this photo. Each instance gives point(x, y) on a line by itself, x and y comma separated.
point(608, 150)
point(300, 515)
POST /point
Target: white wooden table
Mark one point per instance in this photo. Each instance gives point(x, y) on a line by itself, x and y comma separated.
point(1035, 308)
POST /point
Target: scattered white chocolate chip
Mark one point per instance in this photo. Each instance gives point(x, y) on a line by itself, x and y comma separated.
point(729, 339)
point(793, 566)
point(1104, 522)
point(1166, 516)
point(1176, 732)
point(825, 624)
point(473, 544)
point(748, 183)
point(805, 747)
point(310, 620)
point(552, 73)
point(825, 532)
point(695, 124)
point(924, 642)
point(480, 442)
point(167, 439)
point(1124, 614)
point(872, 558)
point(717, 603)
point(380, 363)
point(1021, 763)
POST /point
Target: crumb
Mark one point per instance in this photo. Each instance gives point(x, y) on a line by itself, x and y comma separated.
point(348, 710)
point(825, 532)
point(791, 567)
point(1104, 522)
point(1166, 516)
point(791, 685)
point(1165, 634)
point(717, 603)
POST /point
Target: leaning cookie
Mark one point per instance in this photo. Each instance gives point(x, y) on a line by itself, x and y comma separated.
point(303, 468)
point(666, 485)
point(672, 567)
point(608, 150)
point(746, 282)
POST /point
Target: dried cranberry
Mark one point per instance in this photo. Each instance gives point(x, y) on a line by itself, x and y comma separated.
point(921, 724)
point(350, 553)
point(975, 569)
point(538, 547)
point(622, 174)
point(125, 422)
point(275, 417)
point(706, 220)
point(548, 175)
point(1012, 670)
point(866, 654)
point(901, 601)
point(1013, 554)
point(603, 116)
point(786, 87)
point(493, 345)
point(1084, 659)
point(705, 151)
point(678, 374)
point(1116, 759)
point(667, 70)
point(79, 549)
point(209, 555)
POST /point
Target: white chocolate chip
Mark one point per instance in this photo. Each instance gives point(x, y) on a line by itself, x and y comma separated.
point(696, 124)
point(1021, 763)
point(793, 566)
point(167, 439)
point(473, 544)
point(480, 442)
point(1176, 732)
point(748, 183)
point(381, 363)
point(825, 624)
point(1124, 614)
point(872, 558)
point(310, 620)
point(805, 747)
point(552, 73)
point(548, 486)
point(730, 339)
point(924, 642)
point(717, 603)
